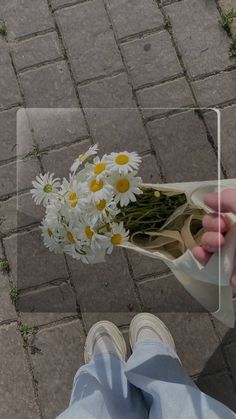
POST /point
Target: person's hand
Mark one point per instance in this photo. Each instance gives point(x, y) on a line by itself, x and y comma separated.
point(216, 225)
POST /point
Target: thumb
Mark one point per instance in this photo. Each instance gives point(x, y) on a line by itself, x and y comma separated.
point(227, 201)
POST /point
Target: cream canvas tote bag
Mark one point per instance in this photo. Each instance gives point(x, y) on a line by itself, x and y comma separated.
point(209, 284)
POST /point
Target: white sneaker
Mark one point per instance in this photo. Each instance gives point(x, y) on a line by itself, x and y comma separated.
point(147, 326)
point(104, 337)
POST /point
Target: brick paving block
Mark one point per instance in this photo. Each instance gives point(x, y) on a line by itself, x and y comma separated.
point(203, 44)
point(89, 40)
point(52, 127)
point(113, 116)
point(59, 354)
point(133, 16)
point(221, 87)
point(31, 262)
point(53, 299)
point(20, 17)
point(14, 371)
point(144, 266)
point(181, 142)
point(173, 94)
point(9, 90)
point(23, 133)
point(196, 342)
point(36, 50)
point(226, 334)
point(18, 212)
point(166, 295)
point(230, 351)
point(7, 310)
point(149, 170)
point(151, 59)
point(105, 290)
point(17, 176)
point(228, 129)
point(220, 387)
point(60, 161)
point(8, 134)
point(60, 3)
point(49, 87)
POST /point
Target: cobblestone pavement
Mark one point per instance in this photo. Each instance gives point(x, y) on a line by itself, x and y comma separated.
point(91, 58)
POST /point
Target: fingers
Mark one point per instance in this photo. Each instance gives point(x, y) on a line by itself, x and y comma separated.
point(212, 241)
point(201, 254)
point(227, 201)
point(215, 222)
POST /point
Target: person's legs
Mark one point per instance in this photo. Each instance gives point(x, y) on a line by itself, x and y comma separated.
point(101, 389)
point(156, 369)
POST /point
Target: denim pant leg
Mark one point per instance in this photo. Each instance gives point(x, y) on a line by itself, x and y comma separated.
point(169, 392)
point(101, 391)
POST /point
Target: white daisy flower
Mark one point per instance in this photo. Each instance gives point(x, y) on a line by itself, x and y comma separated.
point(88, 234)
point(125, 187)
point(98, 168)
point(123, 162)
point(117, 236)
point(74, 193)
point(92, 151)
point(45, 188)
point(51, 237)
point(99, 189)
point(103, 211)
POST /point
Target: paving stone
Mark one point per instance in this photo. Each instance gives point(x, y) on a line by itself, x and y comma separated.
point(24, 138)
point(54, 299)
point(168, 96)
point(166, 295)
point(17, 176)
point(36, 50)
point(149, 170)
point(7, 310)
point(52, 127)
point(220, 387)
point(178, 136)
point(18, 212)
point(134, 16)
point(144, 266)
point(89, 40)
point(196, 341)
point(55, 369)
point(8, 134)
point(228, 136)
point(60, 3)
point(20, 18)
point(60, 161)
point(49, 87)
point(105, 290)
point(226, 334)
point(230, 351)
point(14, 370)
point(203, 45)
point(113, 116)
point(151, 59)
point(221, 87)
point(31, 262)
point(9, 90)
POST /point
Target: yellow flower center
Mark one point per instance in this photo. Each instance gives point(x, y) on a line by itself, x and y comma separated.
point(96, 186)
point(122, 185)
point(122, 159)
point(70, 237)
point(48, 188)
point(116, 239)
point(99, 168)
point(88, 232)
point(49, 232)
point(101, 205)
point(73, 198)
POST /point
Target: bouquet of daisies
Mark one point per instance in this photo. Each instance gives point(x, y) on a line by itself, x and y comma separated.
point(102, 205)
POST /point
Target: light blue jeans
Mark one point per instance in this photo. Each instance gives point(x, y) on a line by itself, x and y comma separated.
point(151, 384)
